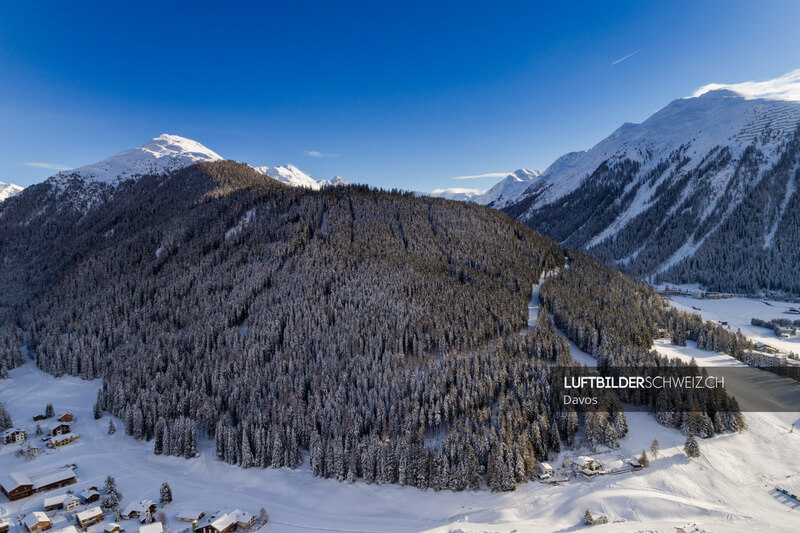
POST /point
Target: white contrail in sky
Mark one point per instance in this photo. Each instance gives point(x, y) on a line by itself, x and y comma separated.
point(627, 56)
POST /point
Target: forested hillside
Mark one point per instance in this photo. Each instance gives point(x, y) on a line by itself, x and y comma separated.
point(362, 325)
point(384, 333)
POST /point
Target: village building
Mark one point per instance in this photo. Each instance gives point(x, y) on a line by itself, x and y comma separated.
point(16, 485)
point(62, 440)
point(90, 495)
point(68, 502)
point(4, 525)
point(191, 515)
point(58, 428)
point(224, 523)
point(54, 480)
point(586, 465)
point(244, 520)
point(155, 527)
point(37, 418)
point(90, 516)
point(544, 470)
point(112, 527)
point(66, 417)
point(10, 436)
point(140, 509)
point(37, 521)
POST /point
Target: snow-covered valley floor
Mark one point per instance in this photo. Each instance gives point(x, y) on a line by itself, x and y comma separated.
point(730, 488)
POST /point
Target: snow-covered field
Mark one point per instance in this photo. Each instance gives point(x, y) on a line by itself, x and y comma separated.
point(730, 488)
point(738, 312)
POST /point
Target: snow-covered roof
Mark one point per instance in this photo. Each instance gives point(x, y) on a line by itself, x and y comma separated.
point(14, 480)
point(155, 527)
point(88, 492)
point(53, 477)
point(112, 526)
point(56, 424)
point(11, 431)
point(35, 517)
point(546, 466)
point(220, 522)
point(88, 514)
point(241, 517)
point(60, 499)
point(139, 507)
point(190, 514)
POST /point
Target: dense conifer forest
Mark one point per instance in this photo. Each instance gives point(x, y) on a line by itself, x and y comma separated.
point(384, 333)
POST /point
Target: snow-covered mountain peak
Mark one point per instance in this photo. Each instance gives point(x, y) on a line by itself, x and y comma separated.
point(290, 175)
point(786, 87)
point(164, 153)
point(7, 190)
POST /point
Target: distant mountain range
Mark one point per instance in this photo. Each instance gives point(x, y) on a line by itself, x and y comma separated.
point(704, 191)
point(503, 193)
point(166, 153)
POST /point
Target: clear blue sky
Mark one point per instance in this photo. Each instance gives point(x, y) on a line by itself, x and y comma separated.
point(406, 95)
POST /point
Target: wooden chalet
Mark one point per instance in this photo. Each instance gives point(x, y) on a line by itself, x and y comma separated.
point(4, 525)
point(90, 516)
point(90, 495)
point(37, 418)
point(139, 509)
point(62, 440)
point(16, 485)
point(58, 428)
point(54, 480)
point(37, 521)
point(112, 527)
point(66, 417)
point(68, 502)
point(224, 523)
point(10, 436)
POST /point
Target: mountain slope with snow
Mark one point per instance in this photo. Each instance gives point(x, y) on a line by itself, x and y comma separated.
point(7, 190)
point(503, 192)
point(164, 153)
point(508, 189)
point(290, 175)
point(703, 191)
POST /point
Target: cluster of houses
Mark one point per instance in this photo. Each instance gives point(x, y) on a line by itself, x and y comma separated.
point(583, 465)
point(59, 432)
point(38, 521)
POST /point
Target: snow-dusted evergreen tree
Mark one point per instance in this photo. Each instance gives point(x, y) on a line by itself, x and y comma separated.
point(5, 419)
point(48, 411)
point(588, 519)
point(166, 493)
point(654, 449)
point(111, 427)
point(690, 447)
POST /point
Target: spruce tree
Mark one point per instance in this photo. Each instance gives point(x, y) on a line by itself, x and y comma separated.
point(691, 447)
point(588, 520)
point(166, 493)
